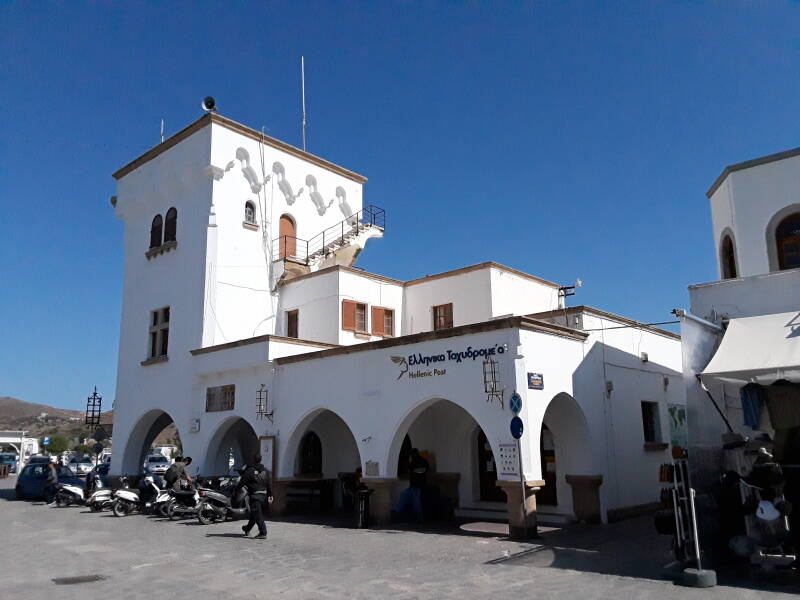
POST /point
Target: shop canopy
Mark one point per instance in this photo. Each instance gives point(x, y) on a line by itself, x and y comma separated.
point(758, 350)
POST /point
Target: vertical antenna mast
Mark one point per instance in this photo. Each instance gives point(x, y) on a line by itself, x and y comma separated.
point(162, 130)
point(303, 92)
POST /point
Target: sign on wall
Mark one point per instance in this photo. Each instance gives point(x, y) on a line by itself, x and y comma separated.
point(221, 397)
point(678, 430)
point(508, 460)
point(418, 365)
point(535, 381)
point(268, 454)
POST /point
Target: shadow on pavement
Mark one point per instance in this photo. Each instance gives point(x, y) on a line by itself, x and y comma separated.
point(629, 548)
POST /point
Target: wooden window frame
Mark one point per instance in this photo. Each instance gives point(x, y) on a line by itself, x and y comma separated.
point(158, 338)
point(378, 316)
point(350, 316)
point(449, 307)
point(296, 314)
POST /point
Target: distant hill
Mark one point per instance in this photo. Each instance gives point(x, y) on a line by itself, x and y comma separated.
point(41, 419)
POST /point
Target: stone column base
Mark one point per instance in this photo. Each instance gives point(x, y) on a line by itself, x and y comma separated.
point(279, 486)
point(520, 518)
point(380, 502)
point(586, 497)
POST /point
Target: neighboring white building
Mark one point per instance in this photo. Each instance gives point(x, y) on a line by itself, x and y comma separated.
point(745, 328)
point(245, 323)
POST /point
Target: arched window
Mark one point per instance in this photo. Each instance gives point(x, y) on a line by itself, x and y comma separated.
point(288, 237)
point(171, 225)
point(311, 455)
point(727, 258)
point(155, 232)
point(787, 238)
point(249, 212)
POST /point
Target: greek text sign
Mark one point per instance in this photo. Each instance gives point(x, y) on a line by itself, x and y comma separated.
point(435, 360)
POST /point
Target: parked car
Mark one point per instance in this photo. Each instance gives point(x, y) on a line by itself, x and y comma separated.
point(31, 480)
point(9, 458)
point(81, 464)
point(157, 463)
point(39, 459)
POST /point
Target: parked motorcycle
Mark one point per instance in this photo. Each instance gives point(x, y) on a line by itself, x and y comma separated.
point(127, 500)
point(67, 493)
point(183, 503)
point(101, 498)
point(226, 503)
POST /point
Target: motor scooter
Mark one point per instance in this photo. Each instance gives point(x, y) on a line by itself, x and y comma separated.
point(227, 503)
point(183, 503)
point(126, 500)
point(100, 498)
point(68, 493)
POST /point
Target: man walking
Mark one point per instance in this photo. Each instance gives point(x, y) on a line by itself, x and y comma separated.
point(256, 479)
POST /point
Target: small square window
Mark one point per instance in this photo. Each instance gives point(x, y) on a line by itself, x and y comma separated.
point(443, 316)
point(388, 322)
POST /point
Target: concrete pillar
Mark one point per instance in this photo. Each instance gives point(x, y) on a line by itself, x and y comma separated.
point(380, 502)
point(448, 486)
point(279, 497)
point(586, 497)
point(519, 518)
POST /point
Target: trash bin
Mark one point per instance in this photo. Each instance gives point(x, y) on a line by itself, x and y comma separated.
point(362, 508)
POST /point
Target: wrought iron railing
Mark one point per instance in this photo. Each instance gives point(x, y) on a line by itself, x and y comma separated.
point(299, 250)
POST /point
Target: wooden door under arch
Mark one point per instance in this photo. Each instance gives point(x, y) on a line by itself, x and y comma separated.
point(288, 237)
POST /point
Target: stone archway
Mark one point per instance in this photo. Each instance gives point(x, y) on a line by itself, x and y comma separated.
point(338, 444)
point(141, 438)
point(448, 437)
point(568, 461)
point(234, 438)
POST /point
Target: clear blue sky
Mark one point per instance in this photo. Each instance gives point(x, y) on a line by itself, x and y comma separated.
point(564, 139)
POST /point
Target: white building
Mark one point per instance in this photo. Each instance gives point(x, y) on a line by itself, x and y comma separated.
point(245, 323)
point(745, 328)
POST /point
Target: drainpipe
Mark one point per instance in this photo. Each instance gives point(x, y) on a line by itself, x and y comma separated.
point(683, 314)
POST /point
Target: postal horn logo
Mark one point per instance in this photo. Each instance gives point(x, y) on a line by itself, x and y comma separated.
point(401, 360)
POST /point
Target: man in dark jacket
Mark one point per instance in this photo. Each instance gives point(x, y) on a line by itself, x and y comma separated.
point(417, 478)
point(51, 483)
point(256, 478)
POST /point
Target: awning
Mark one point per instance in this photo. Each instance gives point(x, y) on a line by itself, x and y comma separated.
point(759, 350)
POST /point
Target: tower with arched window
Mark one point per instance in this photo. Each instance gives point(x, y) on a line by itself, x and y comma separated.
point(755, 210)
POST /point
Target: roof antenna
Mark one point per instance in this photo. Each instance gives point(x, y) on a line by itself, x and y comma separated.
point(162, 131)
point(303, 92)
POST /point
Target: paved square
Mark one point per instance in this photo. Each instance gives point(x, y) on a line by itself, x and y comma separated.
point(144, 557)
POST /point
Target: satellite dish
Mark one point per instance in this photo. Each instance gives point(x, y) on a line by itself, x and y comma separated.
point(209, 104)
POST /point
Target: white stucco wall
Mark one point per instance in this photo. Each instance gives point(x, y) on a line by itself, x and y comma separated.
point(514, 294)
point(470, 293)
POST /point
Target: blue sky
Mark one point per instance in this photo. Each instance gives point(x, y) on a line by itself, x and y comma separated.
point(564, 139)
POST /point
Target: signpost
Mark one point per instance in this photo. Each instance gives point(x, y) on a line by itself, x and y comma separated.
point(516, 432)
point(515, 404)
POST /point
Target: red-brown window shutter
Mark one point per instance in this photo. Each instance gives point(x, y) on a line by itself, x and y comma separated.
point(377, 320)
point(348, 315)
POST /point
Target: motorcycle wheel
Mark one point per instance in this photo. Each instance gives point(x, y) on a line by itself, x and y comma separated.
point(206, 515)
point(173, 516)
point(62, 501)
point(120, 509)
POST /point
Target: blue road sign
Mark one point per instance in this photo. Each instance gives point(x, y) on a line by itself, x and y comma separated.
point(515, 404)
point(46, 441)
point(516, 428)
